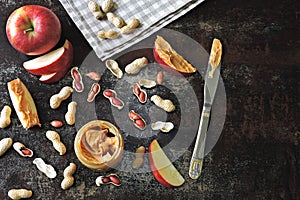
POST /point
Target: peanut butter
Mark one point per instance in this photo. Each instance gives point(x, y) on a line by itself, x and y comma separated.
point(23, 103)
point(99, 145)
point(171, 57)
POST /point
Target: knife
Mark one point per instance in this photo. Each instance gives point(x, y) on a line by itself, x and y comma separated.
point(210, 87)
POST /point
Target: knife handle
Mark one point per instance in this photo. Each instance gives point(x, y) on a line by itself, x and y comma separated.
point(198, 153)
point(195, 168)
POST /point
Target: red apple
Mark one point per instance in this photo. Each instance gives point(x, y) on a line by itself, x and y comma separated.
point(162, 168)
point(54, 61)
point(33, 29)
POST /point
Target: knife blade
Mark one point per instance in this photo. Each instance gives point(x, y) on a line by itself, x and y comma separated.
point(210, 87)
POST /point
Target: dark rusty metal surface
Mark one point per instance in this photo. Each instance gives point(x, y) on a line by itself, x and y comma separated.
point(258, 153)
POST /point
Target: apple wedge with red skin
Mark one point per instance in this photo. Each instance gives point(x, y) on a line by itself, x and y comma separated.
point(162, 168)
point(168, 58)
point(157, 58)
point(160, 61)
point(54, 77)
point(54, 61)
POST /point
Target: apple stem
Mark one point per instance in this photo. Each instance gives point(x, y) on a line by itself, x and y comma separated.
point(28, 30)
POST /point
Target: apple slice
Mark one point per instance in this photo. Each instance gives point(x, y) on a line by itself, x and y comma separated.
point(162, 168)
point(165, 55)
point(51, 62)
point(158, 59)
point(53, 77)
point(50, 78)
point(23, 103)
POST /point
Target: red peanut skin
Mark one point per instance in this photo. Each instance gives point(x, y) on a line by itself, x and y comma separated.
point(160, 77)
point(108, 93)
point(26, 152)
point(139, 93)
point(112, 96)
point(93, 92)
point(91, 96)
point(94, 76)
point(142, 97)
point(105, 179)
point(133, 115)
point(96, 88)
point(140, 123)
point(114, 179)
point(78, 85)
point(116, 101)
point(137, 120)
point(56, 123)
point(136, 89)
point(76, 75)
point(77, 80)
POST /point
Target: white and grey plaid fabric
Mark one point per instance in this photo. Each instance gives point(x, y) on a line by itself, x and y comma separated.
point(153, 14)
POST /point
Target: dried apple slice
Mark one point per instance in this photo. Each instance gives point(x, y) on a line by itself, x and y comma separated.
point(166, 55)
point(23, 104)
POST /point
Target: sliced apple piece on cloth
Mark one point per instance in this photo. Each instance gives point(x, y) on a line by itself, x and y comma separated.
point(162, 168)
point(164, 54)
point(54, 61)
point(23, 104)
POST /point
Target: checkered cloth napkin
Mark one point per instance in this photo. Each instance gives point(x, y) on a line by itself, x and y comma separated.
point(153, 15)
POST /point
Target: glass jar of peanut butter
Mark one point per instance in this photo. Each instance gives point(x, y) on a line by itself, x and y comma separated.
point(99, 145)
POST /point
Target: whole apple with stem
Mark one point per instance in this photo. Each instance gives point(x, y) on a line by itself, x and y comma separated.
point(33, 29)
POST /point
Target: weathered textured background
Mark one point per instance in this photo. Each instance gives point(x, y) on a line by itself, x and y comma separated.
point(258, 154)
